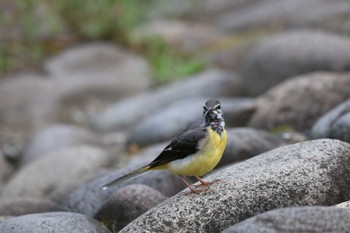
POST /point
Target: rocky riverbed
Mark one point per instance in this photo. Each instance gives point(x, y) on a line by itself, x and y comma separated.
point(93, 113)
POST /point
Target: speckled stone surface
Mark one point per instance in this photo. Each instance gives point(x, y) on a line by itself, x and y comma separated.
point(305, 219)
point(345, 204)
point(52, 222)
point(310, 173)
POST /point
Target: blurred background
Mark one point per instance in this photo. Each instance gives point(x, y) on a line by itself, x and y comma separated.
point(85, 78)
point(88, 86)
point(33, 30)
point(72, 62)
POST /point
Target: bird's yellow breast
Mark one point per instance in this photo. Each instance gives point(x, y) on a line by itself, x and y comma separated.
point(202, 162)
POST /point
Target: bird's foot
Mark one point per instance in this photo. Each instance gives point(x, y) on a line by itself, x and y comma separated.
point(205, 183)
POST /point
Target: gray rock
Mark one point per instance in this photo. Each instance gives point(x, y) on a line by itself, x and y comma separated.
point(345, 204)
point(172, 120)
point(211, 83)
point(299, 102)
point(89, 77)
point(27, 101)
point(290, 136)
point(52, 222)
point(89, 198)
point(21, 206)
point(298, 219)
point(56, 137)
point(6, 169)
point(99, 68)
point(244, 143)
point(334, 124)
point(209, 10)
point(310, 173)
point(293, 53)
point(127, 204)
point(277, 14)
point(55, 172)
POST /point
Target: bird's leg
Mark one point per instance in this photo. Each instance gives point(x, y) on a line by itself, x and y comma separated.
point(204, 183)
point(189, 186)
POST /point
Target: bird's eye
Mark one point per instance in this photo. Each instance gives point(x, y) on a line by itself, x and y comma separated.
point(218, 107)
point(205, 108)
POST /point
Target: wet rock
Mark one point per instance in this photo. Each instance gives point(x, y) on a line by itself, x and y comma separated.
point(310, 173)
point(210, 84)
point(89, 198)
point(299, 102)
point(297, 219)
point(56, 137)
point(52, 222)
point(172, 120)
point(55, 172)
point(21, 206)
point(244, 143)
point(127, 204)
point(293, 53)
point(334, 124)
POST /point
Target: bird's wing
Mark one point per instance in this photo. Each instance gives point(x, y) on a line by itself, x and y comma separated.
point(184, 145)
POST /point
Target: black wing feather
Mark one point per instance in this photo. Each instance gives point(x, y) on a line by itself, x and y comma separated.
point(185, 144)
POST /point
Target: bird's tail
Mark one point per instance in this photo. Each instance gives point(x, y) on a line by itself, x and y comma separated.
point(128, 176)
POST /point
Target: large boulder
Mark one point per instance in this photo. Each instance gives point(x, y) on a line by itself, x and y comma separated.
point(309, 173)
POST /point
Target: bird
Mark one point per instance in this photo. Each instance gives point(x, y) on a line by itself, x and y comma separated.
point(194, 152)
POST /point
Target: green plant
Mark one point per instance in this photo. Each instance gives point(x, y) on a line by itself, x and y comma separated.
point(169, 64)
point(47, 26)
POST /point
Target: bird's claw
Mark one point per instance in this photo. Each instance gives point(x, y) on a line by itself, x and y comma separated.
point(206, 183)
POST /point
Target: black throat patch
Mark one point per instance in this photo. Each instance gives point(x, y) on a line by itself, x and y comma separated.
point(216, 127)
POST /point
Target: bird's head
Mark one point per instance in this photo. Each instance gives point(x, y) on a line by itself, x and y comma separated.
point(212, 111)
